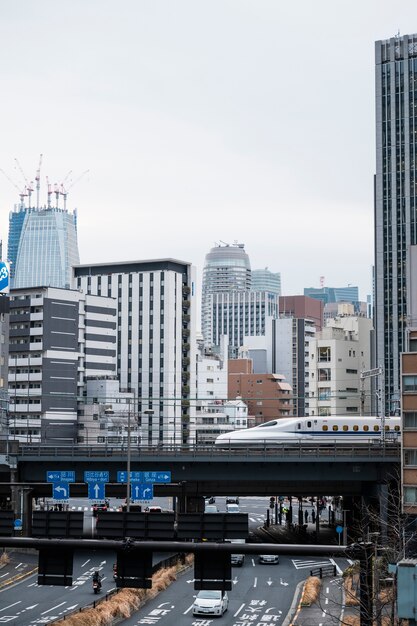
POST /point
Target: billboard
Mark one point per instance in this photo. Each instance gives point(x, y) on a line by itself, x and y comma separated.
point(4, 277)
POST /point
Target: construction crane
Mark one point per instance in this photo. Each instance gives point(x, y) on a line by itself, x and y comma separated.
point(64, 191)
point(38, 180)
point(22, 193)
point(49, 187)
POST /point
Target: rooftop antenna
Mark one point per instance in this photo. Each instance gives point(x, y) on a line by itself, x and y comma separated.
point(56, 192)
point(321, 282)
point(38, 180)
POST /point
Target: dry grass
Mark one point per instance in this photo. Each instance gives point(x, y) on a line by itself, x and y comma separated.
point(353, 620)
point(311, 591)
point(124, 603)
point(350, 584)
point(4, 559)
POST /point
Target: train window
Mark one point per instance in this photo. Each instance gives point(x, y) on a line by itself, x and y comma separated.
point(335, 427)
point(345, 428)
point(366, 427)
point(376, 428)
point(274, 423)
point(355, 428)
point(396, 428)
point(325, 427)
point(386, 428)
point(308, 424)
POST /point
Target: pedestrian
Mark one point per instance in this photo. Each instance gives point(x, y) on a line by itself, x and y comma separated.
point(306, 516)
point(313, 516)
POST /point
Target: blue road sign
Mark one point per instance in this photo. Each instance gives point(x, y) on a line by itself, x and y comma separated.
point(60, 477)
point(339, 529)
point(135, 476)
point(96, 477)
point(96, 491)
point(4, 277)
point(141, 491)
point(18, 524)
point(60, 491)
point(156, 477)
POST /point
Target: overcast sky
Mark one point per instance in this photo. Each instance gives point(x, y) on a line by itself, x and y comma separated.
point(200, 122)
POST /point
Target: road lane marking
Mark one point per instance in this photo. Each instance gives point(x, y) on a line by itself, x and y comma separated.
point(338, 569)
point(53, 608)
point(327, 589)
point(239, 610)
point(189, 609)
point(255, 582)
point(326, 601)
point(10, 606)
point(253, 562)
point(17, 566)
point(3, 575)
point(87, 561)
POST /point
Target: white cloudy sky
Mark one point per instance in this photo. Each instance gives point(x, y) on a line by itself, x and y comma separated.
point(201, 121)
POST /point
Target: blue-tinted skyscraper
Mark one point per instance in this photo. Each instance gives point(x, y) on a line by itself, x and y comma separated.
point(42, 247)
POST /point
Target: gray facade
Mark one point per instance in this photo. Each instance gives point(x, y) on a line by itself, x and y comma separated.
point(48, 367)
point(395, 201)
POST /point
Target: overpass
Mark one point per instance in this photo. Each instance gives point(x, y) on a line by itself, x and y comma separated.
point(297, 469)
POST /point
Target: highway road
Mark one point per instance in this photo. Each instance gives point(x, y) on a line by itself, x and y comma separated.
point(267, 588)
point(262, 595)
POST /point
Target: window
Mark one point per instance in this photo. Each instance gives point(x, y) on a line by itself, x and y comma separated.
point(410, 419)
point(324, 354)
point(410, 457)
point(397, 429)
point(325, 427)
point(335, 427)
point(410, 495)
point(366, 427)
point(376, 428)
point(324, 374)
point(345, 428)
point(409, 383)
point(355, 428)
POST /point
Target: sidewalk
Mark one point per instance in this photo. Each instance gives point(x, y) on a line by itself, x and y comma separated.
point(327, 610)
point(282, 534)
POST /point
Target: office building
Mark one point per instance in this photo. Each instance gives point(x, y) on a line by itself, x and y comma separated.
point(58, 339)
point(226, 268)
point(42, 247)
point(4, 365)
point(395, 202)
point(238, 314)
point(337, 356)
point(268, 396)
point(155, 341)
point(333, 294)
point(265, 280)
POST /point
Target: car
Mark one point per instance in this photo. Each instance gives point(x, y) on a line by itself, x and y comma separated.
point(269, 558)
point(232, 499)
point(232, 508)
point(210, 499)
point(237, 559)
point(210, 602)
point(211, 508)
point(100, 507)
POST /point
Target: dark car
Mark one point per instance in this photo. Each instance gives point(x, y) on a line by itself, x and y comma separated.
point(232, 499)
point(100, 507)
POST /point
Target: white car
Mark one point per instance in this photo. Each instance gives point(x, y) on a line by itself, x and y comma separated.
point(268, 558)
point(211, 508)
point(210, 602)
point(232, 508)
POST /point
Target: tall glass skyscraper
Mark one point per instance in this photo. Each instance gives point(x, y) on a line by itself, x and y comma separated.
point(226, 268)
point(395, 200)
point(265, 280)
point(42, 247)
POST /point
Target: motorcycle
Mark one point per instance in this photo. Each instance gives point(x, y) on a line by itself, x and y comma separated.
point(96, 586)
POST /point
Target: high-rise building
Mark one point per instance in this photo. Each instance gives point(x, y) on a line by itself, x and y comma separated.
point(333, 294)
point(156, 340)
point(395, 201)
point(42, 247)
point(226, 268)
point(265, 280)
point(58, 339)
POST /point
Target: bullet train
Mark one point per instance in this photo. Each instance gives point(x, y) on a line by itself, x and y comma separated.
point(312, 430)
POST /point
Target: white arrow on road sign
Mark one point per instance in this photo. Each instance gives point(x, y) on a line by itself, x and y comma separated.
point(63, 490)
point(96, 490)
point(146, 490)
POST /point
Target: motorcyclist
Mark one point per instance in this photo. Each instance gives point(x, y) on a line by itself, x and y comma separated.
point(97, 579)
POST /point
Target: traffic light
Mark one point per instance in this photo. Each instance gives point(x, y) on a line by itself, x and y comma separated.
point(271, 502)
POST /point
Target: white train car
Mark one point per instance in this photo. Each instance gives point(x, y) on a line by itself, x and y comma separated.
point(312, 430)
